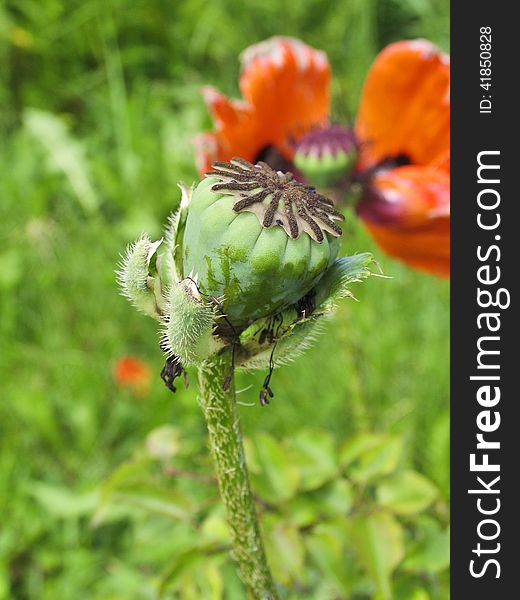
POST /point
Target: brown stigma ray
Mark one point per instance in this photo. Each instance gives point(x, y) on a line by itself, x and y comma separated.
point(276, 198)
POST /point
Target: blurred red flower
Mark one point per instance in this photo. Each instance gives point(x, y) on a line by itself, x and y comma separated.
point(132, 373)
point(402, 132)
point(403, 129)
point(285, 85)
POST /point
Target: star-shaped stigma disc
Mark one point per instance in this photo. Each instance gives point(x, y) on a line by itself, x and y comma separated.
point(276, 198)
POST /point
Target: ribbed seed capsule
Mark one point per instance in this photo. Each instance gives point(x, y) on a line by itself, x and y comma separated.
point(257, 238)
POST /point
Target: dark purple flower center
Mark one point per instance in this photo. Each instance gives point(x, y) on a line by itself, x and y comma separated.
point(275, 159)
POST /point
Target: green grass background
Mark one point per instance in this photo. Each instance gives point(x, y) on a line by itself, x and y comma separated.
point(98, 102)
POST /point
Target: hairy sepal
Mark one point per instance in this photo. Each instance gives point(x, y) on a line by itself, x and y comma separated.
point(335, 284)
point(175, 231)
point(291, 343)
point(188, 324)
point(139, 279)
point(294, 332)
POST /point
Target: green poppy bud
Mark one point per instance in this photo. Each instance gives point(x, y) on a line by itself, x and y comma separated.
point(248, 264)
point(257, 238)
point(326, 156)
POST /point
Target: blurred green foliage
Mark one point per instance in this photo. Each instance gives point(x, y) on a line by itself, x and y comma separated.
point(98, 102)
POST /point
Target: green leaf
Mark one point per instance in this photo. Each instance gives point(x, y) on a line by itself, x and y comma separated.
point(132, 484)
point(407, 588)
point(62, 502)
point(326, 546)
point(357, 445)
point(279, 476)
point(378, 539)
point(155, 498)
point(214, 528)
point(214, 582)
point(129, 471)
point(204, 580)
point(406, 492)
point(431, 554)
point(302, 510)
point(195, 573)
point(316, 457)
point(418, 594)
point(285, 550)
point(381, 459)
point(181, 563)
point(333, 500)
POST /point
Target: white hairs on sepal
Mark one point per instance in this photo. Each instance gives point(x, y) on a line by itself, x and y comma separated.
point(289, 347)
point(134, 277)
point(187, 331)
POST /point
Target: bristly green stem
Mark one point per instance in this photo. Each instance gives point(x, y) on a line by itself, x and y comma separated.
point(225, 440)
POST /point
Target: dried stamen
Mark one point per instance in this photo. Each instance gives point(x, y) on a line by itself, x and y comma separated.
point(266, 392)
point(171, 370)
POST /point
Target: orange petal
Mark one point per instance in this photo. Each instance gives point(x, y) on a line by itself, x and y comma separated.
point(236, 130)
point(287, 82)
point(206, 150)
point(406, 210)
point(285, 85)
point(405, 106)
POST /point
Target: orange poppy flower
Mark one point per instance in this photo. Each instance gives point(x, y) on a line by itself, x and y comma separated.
point(403, 128)
point(285, 86)
point(402, 133)
point(407, 211)
point(132, 373)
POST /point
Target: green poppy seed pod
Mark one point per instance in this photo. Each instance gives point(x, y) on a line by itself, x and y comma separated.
point(257, 238)
point(325, 156)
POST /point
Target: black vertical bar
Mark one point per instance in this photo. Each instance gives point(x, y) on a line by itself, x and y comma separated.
point(473, 247)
